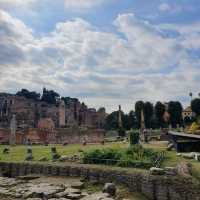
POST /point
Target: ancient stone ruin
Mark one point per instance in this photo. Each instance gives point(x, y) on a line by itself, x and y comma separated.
point(41, 122)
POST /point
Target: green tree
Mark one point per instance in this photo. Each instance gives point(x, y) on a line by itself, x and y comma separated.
point(139, 105)
point(112, 121)
point(28, 94)
point(132, 120)
point(159, 112)
point(195, 105)
point(134, 137)
point(50, 96)
point(175, 110)
point(148, 114)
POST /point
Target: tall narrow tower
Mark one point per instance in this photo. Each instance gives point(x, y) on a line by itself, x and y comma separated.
point(120, 117)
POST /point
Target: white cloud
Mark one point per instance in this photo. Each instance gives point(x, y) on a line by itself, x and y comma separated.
point(176, 7)
point(102, 68)
point(164, 7)
point(16, 3)
point(82, 4)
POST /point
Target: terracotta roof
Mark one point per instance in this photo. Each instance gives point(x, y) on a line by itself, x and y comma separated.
point(188, 109)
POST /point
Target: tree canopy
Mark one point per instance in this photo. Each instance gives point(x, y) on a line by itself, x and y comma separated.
point(139, 105)
point(28, 94)
point(175, 110)
point(49, 96)
point(148, 114)
point(128, 120)
point(159, 112)
point(195, 105)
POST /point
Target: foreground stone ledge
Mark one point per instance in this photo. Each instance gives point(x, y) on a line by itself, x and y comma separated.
point(154, 187)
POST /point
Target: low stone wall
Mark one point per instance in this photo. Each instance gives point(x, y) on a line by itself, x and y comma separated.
point(55, 136)
point(153, 187)
point(77, 135)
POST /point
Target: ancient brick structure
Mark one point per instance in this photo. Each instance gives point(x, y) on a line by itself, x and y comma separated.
point(38, 120)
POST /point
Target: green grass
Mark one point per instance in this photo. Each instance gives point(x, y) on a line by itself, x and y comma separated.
point(172, 159)
point(18, 153)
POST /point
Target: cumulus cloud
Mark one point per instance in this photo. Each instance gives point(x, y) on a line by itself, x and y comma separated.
point(164, 7)
point(102, 68)
point(82, 4)
point(16, 3)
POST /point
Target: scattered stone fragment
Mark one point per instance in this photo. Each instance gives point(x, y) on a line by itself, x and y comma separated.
point(197, 156)
point(42, 190)
point(170, 147)
point(110, 188)
point(28, 177)
point(157, 171)
point(73, 190)
point(63, 158)
point(96, 196)
point(59, 199)
point(8, 182)
point(170, 171)
point(188, 155)
point(43, 159)
point(74, 196)
point(77, 185)
point(184, 169)
point(62, 194)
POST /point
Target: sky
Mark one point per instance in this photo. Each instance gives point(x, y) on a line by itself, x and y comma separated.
point(104, 52)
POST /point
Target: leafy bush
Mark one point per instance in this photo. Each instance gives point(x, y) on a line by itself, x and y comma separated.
point(102, 156)
point(134, 137)
point(135, 156)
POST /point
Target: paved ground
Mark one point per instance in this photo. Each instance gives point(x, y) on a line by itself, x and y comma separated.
point(56, 188)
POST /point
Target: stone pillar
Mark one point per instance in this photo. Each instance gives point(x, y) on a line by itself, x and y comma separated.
point(13, 130)
point(142, 126)
point(120, 117)
point(62, 114)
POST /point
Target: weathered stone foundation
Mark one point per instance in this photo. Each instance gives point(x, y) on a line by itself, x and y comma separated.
point(153, 187)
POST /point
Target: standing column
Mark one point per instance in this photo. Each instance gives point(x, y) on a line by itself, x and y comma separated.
point(13, 130)
point(120, 117)
point(142, 126)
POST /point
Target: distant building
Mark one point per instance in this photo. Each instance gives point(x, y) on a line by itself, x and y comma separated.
point(29, 112)
point(187, 112)
point(40, 121)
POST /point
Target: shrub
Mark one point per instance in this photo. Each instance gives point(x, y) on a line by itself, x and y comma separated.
point(134, 156)
point(134, 137)
point(121, 132)
point(103, 156)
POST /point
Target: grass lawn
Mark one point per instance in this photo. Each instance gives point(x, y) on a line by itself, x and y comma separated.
point(18, 153)
point(172, 159)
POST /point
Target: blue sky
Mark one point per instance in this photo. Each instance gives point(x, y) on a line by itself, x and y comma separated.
point(105, 52)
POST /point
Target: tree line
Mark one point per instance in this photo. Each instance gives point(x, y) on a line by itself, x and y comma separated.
point(159, 115)
point(48, 96)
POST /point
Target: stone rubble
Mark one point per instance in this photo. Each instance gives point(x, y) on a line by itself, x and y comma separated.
point(25, 189)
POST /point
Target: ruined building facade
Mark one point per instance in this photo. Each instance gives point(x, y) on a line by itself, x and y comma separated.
point(40, 117)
